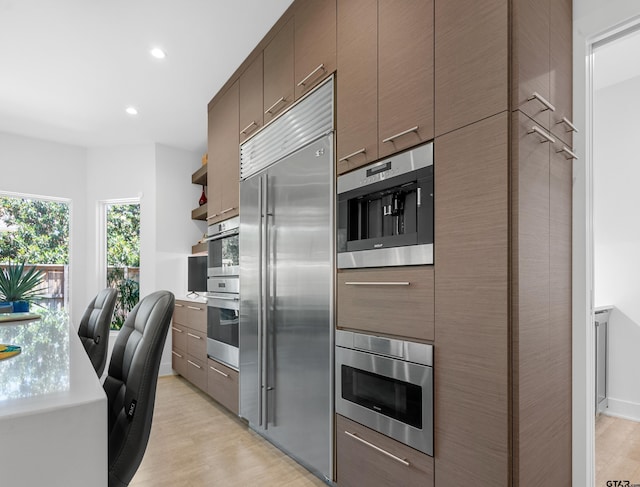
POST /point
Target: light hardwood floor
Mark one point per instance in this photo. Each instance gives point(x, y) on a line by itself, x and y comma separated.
point(195, 442)
point(617, 450)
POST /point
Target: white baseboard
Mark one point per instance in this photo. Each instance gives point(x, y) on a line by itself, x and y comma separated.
point(623, 409)
point(165, 369)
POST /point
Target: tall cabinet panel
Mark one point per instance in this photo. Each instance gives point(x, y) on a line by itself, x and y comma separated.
point(530, 69)
point(532, 398)
point(471, 302)
point(315, 43)
point(561, 69)
point(251, 101)
point(357, 84)
point(475, 86)
point(224, 153)
point(278, 72)
point(405, 74)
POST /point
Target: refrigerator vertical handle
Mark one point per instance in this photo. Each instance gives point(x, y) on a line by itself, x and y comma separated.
point(264, 292)
point(260, 299)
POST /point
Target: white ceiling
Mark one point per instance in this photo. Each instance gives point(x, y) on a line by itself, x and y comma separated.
point(69, 68)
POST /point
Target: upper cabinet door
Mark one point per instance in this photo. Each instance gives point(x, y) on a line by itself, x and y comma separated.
point(405, 74)
point(531, 92)
point(561, 76)
point(251, 103)
point(471, 62)
point(315, 43)
point(278, 72)
point(224, 154)
point(357, 84)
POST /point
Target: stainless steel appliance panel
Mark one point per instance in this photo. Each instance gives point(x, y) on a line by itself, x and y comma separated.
point(286, 347)
point(223, 328)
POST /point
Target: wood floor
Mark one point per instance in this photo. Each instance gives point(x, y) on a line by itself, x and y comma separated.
point(196, 443)
point(617, 450)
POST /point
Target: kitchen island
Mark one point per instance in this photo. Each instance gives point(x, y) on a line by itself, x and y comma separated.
point(53, 410)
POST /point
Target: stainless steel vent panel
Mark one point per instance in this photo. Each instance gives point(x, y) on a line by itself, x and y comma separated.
point(309, 119)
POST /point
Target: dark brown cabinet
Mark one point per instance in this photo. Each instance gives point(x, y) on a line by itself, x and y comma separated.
point(224, 156)
point(405, 74)
point(222, 385)
point(542, 67)
point(357, 84)
point(367, 458)
point(189, 345)
point(385, 78)
point(278, 72)
point(315, 43)
point(251, 101)
point(392, 301)
point(471, 62)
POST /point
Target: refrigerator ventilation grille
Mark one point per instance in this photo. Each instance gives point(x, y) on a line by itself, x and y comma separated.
point(305, 122)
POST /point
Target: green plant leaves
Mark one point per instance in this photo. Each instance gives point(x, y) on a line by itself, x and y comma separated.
point(18, 284)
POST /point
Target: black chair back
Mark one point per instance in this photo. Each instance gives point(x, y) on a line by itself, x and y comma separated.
point(131, 383)
point(94, 328)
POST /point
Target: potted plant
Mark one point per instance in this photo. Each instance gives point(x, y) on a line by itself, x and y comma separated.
point(19, 285)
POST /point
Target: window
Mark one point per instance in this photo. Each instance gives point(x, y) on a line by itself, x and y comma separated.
point(35, 231)
point(123, 256)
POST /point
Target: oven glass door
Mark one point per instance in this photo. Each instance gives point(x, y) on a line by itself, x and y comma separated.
point(392, 397)
point(224, 258)
point(223, 318)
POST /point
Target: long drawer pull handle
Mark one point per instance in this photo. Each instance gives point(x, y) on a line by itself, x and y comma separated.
point(176, 329)
point(246, 129)
point(378, 449)
point(547, 138)
point(176, 354)
point(408, 131)
point(218, 371)
point(269, 110)
point(567, 122)
point(568, 152)
point(227, 210)
point(194, 307)
point(194, 336)
point(537, 96)
point(346, 158)
point(373, 283)
point(178, 305)
point(211, 217)
point(194, 364)
point(321, 67)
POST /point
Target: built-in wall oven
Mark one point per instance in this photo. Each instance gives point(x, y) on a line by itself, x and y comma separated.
point(385, 212)
point(387, 385)
point(223, 299)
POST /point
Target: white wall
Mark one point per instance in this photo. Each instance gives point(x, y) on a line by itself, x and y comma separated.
point(161, 177)
point(616, 200)
point(41, 168)
point(592, 18)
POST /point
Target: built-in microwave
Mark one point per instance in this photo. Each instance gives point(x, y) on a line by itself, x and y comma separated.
point(387, 385)
point(385, 212)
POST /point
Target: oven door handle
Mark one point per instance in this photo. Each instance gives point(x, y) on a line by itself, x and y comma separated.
point(225, 298)
point(228, 233)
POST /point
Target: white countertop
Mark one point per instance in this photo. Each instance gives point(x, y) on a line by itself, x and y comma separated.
point(53, 410)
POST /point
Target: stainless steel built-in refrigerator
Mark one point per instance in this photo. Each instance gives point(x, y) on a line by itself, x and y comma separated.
point(286, 281)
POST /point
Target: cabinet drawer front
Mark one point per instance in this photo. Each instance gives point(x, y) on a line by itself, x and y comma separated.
point(365, 457)
point(180, 313)
point(223, 385)
point(178, 337)
point(196, 344)
point(179, 362)
point(197, 317)
point(394, 301)
point(196, 372)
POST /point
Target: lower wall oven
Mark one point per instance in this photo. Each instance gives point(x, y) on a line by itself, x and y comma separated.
point(387, 385)
point(222, 327)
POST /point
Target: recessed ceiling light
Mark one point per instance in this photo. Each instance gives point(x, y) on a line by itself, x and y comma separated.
point(131, 110)
point(158, 53)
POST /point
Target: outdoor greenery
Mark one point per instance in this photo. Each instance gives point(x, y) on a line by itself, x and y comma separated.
point(18, 283)
point(123, 254)
point(40, 231)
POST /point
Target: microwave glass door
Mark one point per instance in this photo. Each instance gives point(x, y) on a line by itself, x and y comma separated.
point(224, 257)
